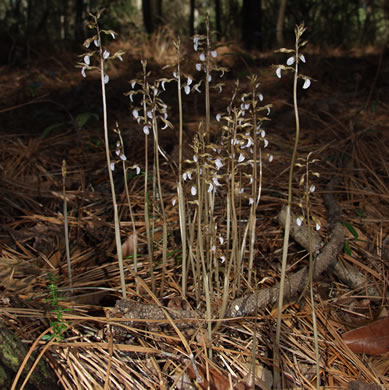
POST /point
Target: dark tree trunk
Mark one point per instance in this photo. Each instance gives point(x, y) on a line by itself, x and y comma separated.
point(192, 17)
point(12, 353)
point(280, 24)
point(67, 28)
point(251, 24)
point(232, 19)
point(78, 22)
point(218, 12)
point(152, 14)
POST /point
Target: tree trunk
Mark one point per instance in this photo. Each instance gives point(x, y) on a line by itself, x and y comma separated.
point(152, 14)
point(251, 22)
point(192, 17)
point(79, 29)
point(280, 24)
point(232, 21)
point(218, 12)
point(12, 353)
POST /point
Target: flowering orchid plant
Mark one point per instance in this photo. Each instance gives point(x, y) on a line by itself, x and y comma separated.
point(86, 64)
point(293, 61)
point(102, 53)
point(292, 65)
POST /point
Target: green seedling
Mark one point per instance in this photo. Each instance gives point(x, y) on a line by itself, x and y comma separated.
point(58, 325)
point(79, 121)
point(351, 229)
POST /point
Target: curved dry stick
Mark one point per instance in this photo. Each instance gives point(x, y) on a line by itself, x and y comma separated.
point(251, 303)
point(295, 283)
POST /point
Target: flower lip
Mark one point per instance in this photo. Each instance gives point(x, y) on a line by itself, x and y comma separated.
point(306, 84)
point(290, 61)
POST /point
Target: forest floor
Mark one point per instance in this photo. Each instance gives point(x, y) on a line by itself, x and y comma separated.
point(50, 113)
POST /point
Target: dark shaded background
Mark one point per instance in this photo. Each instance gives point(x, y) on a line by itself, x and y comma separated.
point(27, 25)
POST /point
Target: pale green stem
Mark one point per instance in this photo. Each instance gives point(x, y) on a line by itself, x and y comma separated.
point(108, 157)
point(253, 208)
point(147, 199)
point(287, 224)
point(134, 235)
point(66, 227)
point(180, 192)
point(163, 212)
point(310, 278)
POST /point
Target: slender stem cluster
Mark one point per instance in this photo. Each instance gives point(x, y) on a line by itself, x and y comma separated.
point(292, 64)
point(152, 116)
point(218, 188)
point(102, 56)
